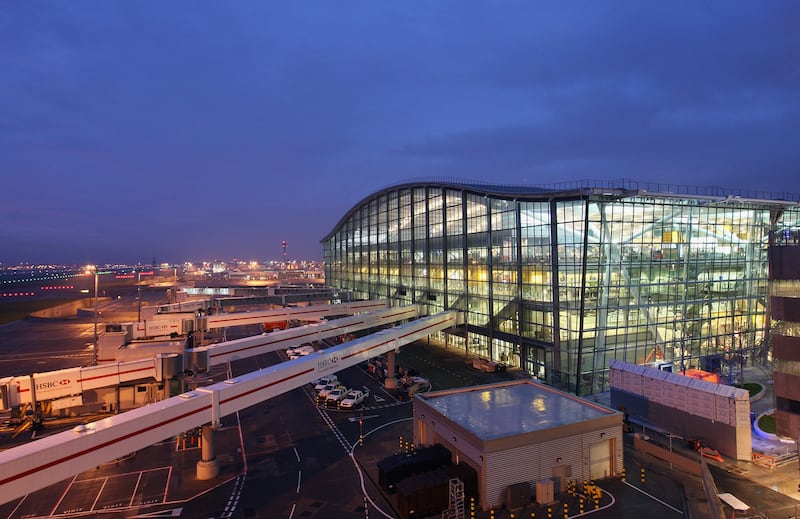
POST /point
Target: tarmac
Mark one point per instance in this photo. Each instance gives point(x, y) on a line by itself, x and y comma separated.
point(782, 478)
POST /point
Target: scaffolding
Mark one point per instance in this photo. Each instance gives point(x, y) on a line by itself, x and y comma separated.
point(455, 509)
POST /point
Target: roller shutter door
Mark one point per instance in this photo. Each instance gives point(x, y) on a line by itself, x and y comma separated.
point(600, 459)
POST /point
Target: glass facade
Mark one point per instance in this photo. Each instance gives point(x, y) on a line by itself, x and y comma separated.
point(558, 282)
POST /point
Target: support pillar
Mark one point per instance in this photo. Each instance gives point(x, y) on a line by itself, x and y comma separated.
point(391, 380)
point(207, 467)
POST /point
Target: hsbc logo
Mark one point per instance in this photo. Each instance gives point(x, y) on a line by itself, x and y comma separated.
point(43, 386)
point(327, 363)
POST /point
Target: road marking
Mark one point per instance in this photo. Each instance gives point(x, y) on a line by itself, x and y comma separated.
point(653, 497)
point(378, 399)
point(175, 512)
point(356, 418)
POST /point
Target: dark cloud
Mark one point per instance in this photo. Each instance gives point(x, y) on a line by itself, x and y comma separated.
point(191, 130)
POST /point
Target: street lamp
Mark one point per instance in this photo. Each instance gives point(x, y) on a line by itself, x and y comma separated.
point(139, 295)
point(93, 269)
point(96, 275)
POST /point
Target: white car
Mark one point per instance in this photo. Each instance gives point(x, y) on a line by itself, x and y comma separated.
point(353, 398)
point(323, 393)
point(302, 351)
point(324, 381)
point(334, 396)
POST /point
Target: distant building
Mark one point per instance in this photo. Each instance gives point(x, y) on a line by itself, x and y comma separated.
point(784, 268)
point(560, 281)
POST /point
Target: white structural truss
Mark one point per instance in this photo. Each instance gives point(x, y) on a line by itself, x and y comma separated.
point(49, 460)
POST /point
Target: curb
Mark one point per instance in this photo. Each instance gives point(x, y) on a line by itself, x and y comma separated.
point(759, 432)
point(760, 394)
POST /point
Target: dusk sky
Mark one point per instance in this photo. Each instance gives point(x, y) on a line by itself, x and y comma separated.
point(189, 130)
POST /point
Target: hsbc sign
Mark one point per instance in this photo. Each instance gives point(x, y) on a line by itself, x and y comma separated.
point(57, 385)
point(328, 362)
point(44, 386)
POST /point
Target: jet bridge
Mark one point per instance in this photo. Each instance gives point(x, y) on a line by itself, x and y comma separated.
point(49, 460)
point(143, 363)
point(302, 313)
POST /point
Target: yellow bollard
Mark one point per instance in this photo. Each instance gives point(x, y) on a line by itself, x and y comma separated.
point(566, 510)
point(642, 474)
point(623, 473)
point(549, 513)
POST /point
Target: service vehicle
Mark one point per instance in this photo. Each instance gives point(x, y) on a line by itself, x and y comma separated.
point(324, 381)
point(353, 398)
point(336, 395)
point(323, 393)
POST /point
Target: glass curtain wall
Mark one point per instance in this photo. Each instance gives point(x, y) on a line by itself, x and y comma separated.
point(559, 287)
point(676, 284)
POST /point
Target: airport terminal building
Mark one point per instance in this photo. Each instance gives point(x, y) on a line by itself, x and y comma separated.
point(560, 280)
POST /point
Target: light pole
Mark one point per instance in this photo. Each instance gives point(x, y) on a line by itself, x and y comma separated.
point(96, 274)
point(139, 296)
point(96, 308)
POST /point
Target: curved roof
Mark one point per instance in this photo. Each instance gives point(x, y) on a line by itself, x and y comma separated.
point(576, 190)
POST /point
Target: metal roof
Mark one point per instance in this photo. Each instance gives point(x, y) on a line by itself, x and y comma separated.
point(583, 189)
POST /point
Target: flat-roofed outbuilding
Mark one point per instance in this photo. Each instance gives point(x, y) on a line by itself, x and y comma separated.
point(521, 432)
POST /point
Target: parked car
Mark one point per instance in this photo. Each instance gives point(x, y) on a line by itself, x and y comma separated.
point(353, 398)
point(488, 366)
point(336, 395)
point(324, 381)
point(302, 351)
point(323, 393)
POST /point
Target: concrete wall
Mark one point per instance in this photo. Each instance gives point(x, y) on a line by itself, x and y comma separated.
point(84, 308)
point(678, 460)
point(63, 311)
point(732, 441)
